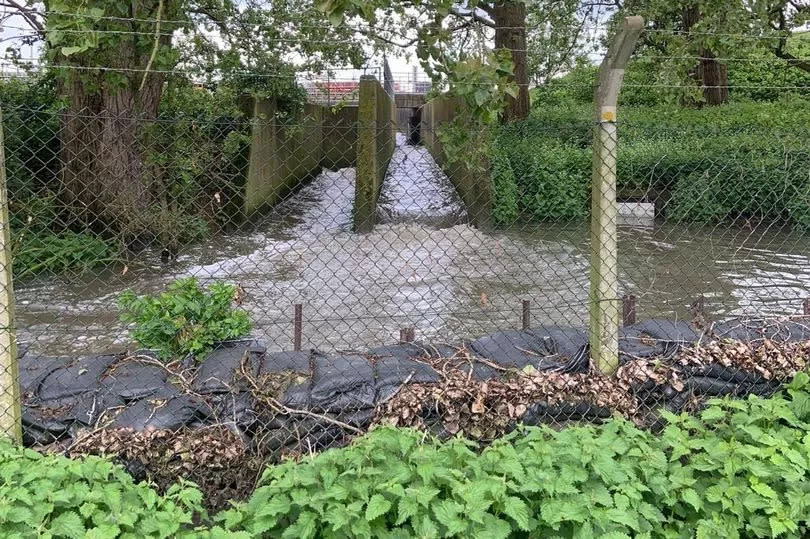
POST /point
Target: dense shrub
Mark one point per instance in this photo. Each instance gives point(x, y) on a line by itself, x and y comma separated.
point(743, 160)
point(52, 496)
point(186, 319)
point(194, 156)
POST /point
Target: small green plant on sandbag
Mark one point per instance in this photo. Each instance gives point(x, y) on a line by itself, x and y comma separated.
point(185, 319)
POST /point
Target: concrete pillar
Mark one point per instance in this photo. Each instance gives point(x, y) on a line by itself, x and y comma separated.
point(263, 168)
point(366, 188)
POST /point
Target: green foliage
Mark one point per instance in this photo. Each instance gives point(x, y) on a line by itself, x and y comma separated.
point(186, 319)
point(716, 164)
point(740, 469)
point(37, 252)
point(549, 179)
point(504, 188)
point(53, 496)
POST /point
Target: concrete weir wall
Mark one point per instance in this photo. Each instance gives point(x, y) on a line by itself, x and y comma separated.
point(472, 183)
point(282, 156)
point(376, 141)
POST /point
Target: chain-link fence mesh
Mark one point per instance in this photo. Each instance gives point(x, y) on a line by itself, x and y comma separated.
point(230, 281)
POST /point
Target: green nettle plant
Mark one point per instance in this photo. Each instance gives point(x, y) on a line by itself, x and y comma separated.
point(53, 496)
point(186, 319)
point(739, 469)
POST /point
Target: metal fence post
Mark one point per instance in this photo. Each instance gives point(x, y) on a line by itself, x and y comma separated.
point(604, 291)
point(10, 416)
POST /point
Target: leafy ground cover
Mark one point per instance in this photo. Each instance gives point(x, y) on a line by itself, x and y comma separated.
point(733, 467)
point(737, 469)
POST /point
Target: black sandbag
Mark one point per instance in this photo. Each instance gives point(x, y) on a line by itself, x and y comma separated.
point(238, 409)
point(764, 390)
point(466, 362)
point(279, 362)
point(727, 374)
point(219, 371)
point(563, 341)
point(710, 387)
point(133, 380)
point(297, 396)
point(519, 349)
point(439, 350)
point(320, 434)
point(757, 330)
point(342, 382)
point(80, 376)
point(168, 414)
point(637, 344)
point(44, 424)
point(34, 369)
point(392, 371)
point(541, 412)
point(669, 331)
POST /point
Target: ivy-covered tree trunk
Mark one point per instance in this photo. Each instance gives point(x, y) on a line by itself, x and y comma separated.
point(510, 33)
point(104, 177)
point(709, 73)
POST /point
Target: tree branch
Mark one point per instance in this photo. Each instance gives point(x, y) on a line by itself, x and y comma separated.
point(27, 13)
point(780, 51)
point(471, 14)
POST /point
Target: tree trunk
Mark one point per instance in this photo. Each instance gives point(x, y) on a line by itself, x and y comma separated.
point(104, 178)
point(714, 79)
point(709, 73)
point(510, 33)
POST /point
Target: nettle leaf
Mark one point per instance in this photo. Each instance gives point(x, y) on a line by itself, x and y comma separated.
point(68, 524)
point(448, 514)
point(496, 528)
point(691, 497)
point(517, 509)
point(377, 506)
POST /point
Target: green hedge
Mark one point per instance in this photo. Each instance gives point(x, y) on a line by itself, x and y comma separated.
point(739, 469)
point(743, 160)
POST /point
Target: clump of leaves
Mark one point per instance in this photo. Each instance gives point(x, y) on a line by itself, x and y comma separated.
point(186, 319)
point(53, 496)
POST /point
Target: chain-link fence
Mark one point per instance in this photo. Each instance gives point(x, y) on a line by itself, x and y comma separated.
point(232, 280)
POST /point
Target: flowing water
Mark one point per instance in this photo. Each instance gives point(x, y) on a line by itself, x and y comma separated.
point(422, 266)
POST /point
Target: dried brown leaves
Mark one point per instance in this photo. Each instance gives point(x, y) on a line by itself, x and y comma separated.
point(485, 409)
point(772, 360)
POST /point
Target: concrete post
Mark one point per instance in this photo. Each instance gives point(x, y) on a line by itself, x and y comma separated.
point(365, 194)
point(262, 167)
point(10, 414)
point(604, 290)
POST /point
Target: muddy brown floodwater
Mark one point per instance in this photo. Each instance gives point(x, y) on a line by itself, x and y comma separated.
point(424, 267)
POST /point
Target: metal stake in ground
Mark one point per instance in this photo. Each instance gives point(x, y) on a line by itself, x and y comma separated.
point(527, 315)
point(628, 310)
point(298, 328)
point(604, 293)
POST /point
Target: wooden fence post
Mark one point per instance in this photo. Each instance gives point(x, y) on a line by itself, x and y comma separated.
point(10, 414)
point(604, 290)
